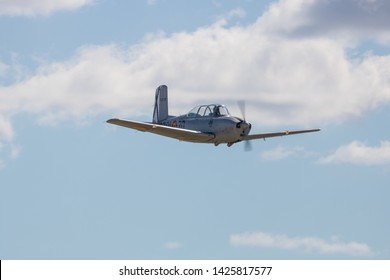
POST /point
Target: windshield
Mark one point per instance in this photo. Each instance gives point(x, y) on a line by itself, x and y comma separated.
point(221, 110)
point(208, 111)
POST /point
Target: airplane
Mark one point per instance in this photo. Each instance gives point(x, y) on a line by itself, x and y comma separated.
point(210, 123)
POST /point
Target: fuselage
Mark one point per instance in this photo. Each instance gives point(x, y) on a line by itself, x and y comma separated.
point(213, 119)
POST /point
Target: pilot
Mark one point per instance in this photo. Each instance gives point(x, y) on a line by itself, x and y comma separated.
point(216, 111)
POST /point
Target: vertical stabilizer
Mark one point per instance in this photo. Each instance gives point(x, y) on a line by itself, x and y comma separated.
point(160, 111)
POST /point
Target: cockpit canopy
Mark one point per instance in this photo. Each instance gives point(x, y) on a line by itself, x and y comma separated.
point(212, 110)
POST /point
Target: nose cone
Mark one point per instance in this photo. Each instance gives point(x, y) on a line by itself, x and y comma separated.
point(244, 128)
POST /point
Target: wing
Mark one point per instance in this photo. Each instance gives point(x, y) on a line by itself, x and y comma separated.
point(275, 134)
point(172, 132)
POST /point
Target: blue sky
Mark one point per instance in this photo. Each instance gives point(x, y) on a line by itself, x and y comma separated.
point(75, 187)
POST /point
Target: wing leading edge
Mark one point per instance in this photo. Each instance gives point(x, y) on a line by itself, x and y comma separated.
point(276, 134)
point(172, 132)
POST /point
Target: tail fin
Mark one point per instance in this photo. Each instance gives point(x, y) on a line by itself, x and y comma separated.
point(160, 111)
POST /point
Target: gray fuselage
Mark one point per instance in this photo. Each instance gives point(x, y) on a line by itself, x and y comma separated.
point(213, 119)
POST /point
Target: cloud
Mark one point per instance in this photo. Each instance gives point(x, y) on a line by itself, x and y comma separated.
point(6, 139)
point(236, 13)
point(3, 69)
point(151, 2)
point(39, 7)
point(307, 244)
point(360, 153)
point(96, 80)
point(282, 152)
point(347, 20)
point(172, 245)
point(6, 130)
point(284, 82)
point(15, 152)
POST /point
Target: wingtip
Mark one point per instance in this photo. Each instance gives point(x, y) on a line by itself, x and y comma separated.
point(111, 120)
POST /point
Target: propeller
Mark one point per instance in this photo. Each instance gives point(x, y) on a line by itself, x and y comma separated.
point(242, 107)
point(247, 146)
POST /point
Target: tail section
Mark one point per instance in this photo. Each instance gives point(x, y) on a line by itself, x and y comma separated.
point(160, 111)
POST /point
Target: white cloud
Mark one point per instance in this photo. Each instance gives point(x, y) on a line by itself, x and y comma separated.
point(347, 20)
point(236, 13)
point(307, 244)
point(15, 152)
point(39, 7)
point(282, 152)
point(6, 138)
point(284, 82)
point(151, 2)
point(172, 245)
point(360, 153)
point(6, 130)
point(3, 69)
point(96, 80)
